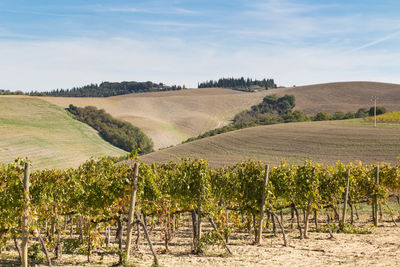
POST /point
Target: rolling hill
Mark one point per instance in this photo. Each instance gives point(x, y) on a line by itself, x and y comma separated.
point(171, 117)
point(326, 142)
point(47, 135)
point(343, 96)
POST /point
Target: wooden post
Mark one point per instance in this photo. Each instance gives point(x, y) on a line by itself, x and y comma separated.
point(146, 234)
point(376, 197)
point(262, 206)
point(25, 218)
point(46, 252)
point(194, 227)
point(329, 226)
point(198, 226)
point(219, 235)
point(17, 247)
point(346, 195)
point(298, 220)
point(315, 219)
point(308, 205)
point(131, 211)
point(119, 237)
point(292, 217)
point(282, 229)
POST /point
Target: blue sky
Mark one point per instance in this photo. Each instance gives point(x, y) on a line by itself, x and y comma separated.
point(60, 44)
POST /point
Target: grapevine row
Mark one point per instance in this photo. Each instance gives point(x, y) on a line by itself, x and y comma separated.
point(97, 196)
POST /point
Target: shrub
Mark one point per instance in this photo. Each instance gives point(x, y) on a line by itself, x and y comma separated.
point(361, 113)
point(119, 133)
point(379, 111)
point(322, 116)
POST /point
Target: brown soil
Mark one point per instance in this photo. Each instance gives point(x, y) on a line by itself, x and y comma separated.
point(344, 96)
point(379, 248)
point(325, 142)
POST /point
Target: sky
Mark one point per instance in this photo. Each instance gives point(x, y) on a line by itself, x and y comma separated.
point(49, 44)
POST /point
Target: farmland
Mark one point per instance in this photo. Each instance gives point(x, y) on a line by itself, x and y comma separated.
point(326, 142)
point(344, 96)
point(68, 212)
point(47, 134)
point(171, 117)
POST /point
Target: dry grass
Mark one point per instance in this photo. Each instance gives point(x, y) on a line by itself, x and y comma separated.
point(47, 135)
point(173, 116)
point(325, 142)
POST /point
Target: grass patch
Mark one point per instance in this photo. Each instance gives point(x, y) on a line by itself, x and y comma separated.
point(46, 134)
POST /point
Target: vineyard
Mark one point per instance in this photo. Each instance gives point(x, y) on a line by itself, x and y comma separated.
point(100, 207)
point(390, 117)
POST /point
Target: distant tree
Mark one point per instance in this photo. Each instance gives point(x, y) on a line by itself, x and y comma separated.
point(349, 115)
point(379, 111)
point(338, 116)
point(322, 116)
point(361, 113)
point(238, 83)
point(106, 89)
point(295, 116)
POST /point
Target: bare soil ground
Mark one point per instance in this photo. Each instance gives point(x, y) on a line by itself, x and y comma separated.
point(324, 142)
point(379, 248)
point(343, 96)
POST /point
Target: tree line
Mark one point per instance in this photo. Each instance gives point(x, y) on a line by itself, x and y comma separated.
point(106, 89)
point(8, 92)
point(119, 133)
point(238, 83)
point(273, 110)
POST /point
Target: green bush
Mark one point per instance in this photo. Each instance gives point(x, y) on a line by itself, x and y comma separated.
point(379, 111)
point(361, 113)
point(119, 133)
point(322, 116)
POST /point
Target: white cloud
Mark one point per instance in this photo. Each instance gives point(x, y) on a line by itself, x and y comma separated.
point(129, 10)
point(46, 65)
point(176, 10)
point(380, 40)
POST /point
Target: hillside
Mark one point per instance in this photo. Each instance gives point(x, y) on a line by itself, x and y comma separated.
point(169, 118)
point(327, 142)
point(343, 96)
point(47, 134)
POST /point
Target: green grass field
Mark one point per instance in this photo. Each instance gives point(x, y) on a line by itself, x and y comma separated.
point(47, 135)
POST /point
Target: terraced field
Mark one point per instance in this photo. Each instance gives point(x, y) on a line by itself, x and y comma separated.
point(30, 127)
